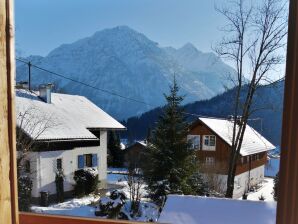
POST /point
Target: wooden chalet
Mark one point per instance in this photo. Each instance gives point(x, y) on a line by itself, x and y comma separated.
point(211, 138)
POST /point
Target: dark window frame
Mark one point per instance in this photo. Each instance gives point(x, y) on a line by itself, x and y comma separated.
point(59, 164)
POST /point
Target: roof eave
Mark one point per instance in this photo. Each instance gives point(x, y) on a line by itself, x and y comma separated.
point(263, 150)
point(107, 128)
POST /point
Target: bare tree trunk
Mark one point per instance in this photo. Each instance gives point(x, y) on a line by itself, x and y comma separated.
point(257, 33)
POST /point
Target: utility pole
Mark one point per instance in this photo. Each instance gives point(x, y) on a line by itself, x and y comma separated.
point(29, 75)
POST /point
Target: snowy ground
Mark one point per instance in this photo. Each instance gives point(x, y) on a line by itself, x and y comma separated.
point(86, 206)
point(182, 209)
point(266, 190)
point(116, 178)
point(117, 170)
point(74, 207)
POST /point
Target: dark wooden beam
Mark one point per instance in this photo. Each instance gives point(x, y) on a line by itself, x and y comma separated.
point(287, 206)
point(31, 218)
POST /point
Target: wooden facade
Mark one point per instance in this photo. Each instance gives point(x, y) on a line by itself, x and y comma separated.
point(133, 154)
point(222, 153)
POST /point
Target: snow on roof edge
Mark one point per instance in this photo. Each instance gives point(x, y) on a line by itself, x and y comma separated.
point(268, 145)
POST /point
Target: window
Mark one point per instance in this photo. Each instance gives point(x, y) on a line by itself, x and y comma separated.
point(209, 142)
point(59, 164)
point(87, 160)
point(209, 160)
point(194, 141)
point(255, 157)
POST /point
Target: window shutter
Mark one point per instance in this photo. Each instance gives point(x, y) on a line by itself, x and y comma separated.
point(94, 160)
point(81, 161)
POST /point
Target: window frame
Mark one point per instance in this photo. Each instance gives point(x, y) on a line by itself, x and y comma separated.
point(208, 147)
point(190, 139)
point(286, 212)
point(89, 156)
point(209, 160)
point(61, 163)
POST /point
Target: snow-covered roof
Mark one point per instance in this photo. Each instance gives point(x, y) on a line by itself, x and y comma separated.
point(122, 146)
point(253, 142)
point(66, 117)
point(181, 209)
point(143, 143)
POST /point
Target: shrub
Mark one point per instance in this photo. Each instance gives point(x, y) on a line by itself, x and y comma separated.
point(24, 193)
point(262, 198)
point(86, 181)
point(111, 206)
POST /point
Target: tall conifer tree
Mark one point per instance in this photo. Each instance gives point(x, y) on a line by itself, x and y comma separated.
point(170, 165)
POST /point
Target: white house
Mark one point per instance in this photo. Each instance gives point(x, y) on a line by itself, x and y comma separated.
point(69, 133)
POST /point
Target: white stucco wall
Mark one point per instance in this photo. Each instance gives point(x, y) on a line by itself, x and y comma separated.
point(241, 180)
point(43, 166)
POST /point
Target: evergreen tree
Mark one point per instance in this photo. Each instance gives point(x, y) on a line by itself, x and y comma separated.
point(116, 154)
point(170, 165)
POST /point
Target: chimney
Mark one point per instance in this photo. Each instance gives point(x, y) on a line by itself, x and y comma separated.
point(45, 92)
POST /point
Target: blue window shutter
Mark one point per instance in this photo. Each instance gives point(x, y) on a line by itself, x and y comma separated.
point(81, 161)
point(94, 160)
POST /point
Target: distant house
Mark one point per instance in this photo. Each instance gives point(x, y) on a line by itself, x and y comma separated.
point(134, 152)
point(181, 209)
point(211, 138)
point(74, 137)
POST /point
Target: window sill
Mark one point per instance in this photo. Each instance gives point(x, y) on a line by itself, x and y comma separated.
point(33, 218)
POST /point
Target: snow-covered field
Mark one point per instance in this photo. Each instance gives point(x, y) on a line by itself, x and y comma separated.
point(182, 209)
point(86, 206)
point(74, 207)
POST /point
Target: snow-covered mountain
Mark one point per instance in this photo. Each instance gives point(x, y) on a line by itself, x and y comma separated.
point(126, 62)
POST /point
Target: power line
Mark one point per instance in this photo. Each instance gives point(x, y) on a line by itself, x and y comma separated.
point(85, 84)
point(96, 88)
point(100, 89)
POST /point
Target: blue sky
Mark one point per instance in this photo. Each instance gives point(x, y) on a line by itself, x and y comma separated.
point(42, 25)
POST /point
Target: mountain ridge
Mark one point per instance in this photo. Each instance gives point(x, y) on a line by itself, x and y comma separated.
point(267, 119)
point(126, 62)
